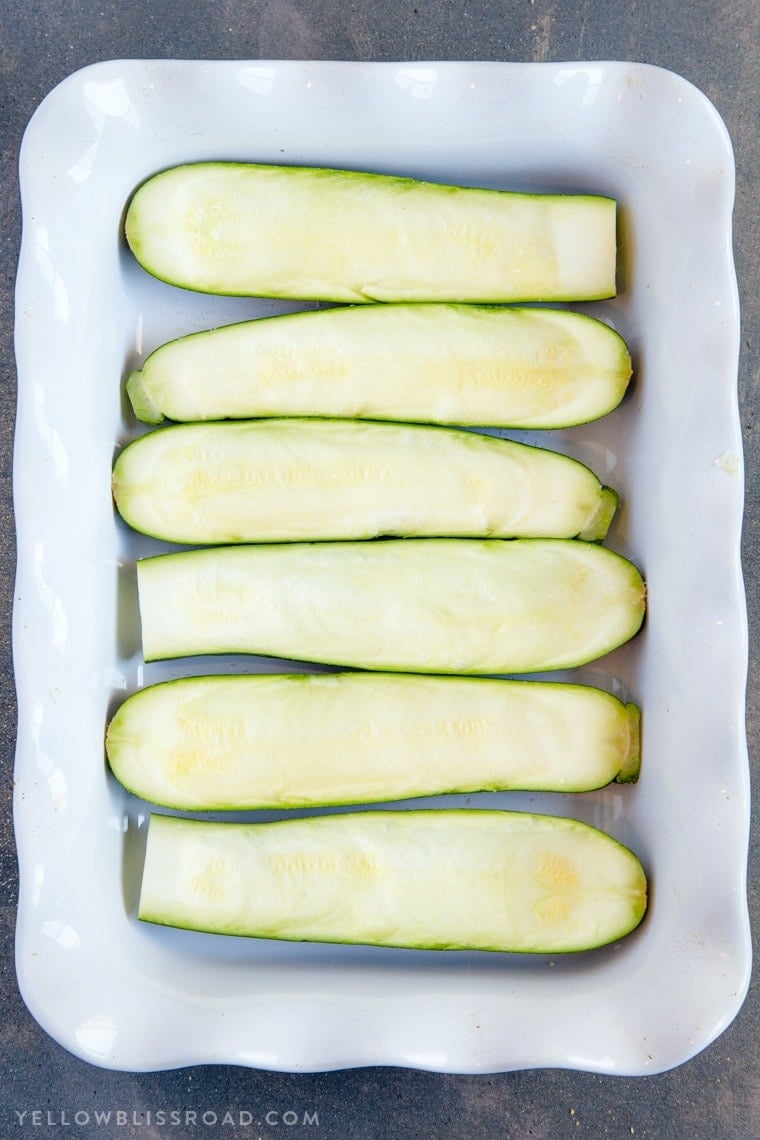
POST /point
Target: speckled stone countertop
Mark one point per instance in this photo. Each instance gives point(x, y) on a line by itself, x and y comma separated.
point(44, 1089)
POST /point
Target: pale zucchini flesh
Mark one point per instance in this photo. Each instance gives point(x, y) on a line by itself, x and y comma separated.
point(413, 605)
point(222, 743)
point(449, 364)
point(290, 480)
point(336, 235)
point(461, 879)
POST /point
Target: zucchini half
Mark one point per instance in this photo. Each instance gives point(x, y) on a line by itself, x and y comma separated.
point(222, 743)
point(285, 480)
point(414, 605)
point(461, 879)
point(338, 235)
point(470, 365)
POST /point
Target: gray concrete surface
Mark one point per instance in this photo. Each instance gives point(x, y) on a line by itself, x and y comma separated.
point(715, 1095)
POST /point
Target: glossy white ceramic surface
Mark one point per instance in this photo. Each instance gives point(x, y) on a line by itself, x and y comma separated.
point(131, 996)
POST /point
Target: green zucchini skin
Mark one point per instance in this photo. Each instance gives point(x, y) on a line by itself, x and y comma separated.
point(295, 480)
point(408, 605)
point(470, 365)
point(335, 235)
point(435, 879)
point(259, 741)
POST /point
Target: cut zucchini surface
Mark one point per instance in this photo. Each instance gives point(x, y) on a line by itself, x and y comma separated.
point(414, 605)
point(285, 480)
point(290, 740)
point(451, 364)
point(461, 879)
point(336, 235)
